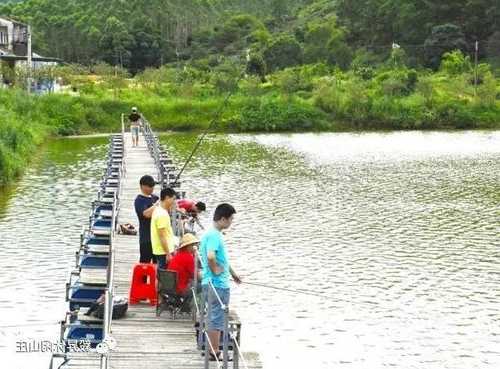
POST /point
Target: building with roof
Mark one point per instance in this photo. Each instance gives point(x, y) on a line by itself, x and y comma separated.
point(14, 46)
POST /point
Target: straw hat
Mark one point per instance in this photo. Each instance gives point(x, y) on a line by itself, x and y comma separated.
point(187, 239)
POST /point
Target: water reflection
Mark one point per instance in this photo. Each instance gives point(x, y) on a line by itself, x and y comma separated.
point(39, 232)
point(398, 231)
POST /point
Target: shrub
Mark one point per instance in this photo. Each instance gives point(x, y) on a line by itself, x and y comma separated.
point(455, 63)
point(443, 38)
point(397, 82)
point(486, 92)
point(290, 81)
point(275, 114)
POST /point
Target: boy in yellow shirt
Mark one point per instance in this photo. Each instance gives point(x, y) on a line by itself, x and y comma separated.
point(162, 235)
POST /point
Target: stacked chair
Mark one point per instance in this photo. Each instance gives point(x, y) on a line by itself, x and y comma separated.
point(90, 277)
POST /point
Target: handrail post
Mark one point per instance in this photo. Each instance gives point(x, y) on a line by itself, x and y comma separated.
point(175, 221)
point(205, 328)
point(202, 317)
point(195, 280)
point(108, 292)
point(104, 358)
point(123, 126)
point(225, 343)
point(236, 353)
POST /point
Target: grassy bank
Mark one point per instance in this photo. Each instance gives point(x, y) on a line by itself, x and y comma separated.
point(28, 120)
point(305, 98)
point(388, 95)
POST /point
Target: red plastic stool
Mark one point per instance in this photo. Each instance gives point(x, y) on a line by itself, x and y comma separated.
point(141, 290)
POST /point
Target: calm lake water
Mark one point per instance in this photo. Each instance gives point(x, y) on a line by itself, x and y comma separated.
point(393, 239)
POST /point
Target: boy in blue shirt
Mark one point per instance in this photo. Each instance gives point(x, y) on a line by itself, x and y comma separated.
point(217, 270)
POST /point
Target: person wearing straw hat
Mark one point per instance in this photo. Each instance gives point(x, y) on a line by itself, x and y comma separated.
point(183, 263)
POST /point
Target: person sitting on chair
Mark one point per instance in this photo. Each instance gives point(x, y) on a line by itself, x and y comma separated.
point(183, 263)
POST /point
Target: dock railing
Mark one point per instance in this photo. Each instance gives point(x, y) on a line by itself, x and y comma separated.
point(231, 332)
point(201, 314)
point(108, 341)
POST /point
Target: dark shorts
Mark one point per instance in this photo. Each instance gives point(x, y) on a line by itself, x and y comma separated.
point(146, 251)
point(161, 262)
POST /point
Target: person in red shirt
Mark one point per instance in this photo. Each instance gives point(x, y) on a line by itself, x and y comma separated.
point(183, 263)
point(191, 207)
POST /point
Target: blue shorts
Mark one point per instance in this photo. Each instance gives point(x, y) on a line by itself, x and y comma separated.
point(216, 318)
point(135, 131)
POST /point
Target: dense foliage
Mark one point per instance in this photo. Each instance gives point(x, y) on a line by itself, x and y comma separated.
point(143, 33)
point(290, 65)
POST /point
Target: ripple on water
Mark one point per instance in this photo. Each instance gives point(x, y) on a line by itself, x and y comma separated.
point(398, 231)
point(39, 234)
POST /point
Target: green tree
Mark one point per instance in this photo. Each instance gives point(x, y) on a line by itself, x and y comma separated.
point(256, 65)
point(116, 40)
point(240, 31)
point(283, 51)
point(279, 8)
point(443, 38)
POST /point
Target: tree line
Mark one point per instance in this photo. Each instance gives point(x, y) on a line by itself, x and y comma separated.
point(277, 34)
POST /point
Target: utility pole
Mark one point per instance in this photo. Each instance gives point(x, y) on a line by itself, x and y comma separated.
point(475, 67)
point(29, 60)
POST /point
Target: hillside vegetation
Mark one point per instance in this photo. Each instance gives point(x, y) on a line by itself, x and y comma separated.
point(295, 65)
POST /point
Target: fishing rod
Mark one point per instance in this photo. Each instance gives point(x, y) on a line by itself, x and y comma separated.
point(216, 117)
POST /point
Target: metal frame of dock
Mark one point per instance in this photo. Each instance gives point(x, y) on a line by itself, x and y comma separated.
point(140, 339)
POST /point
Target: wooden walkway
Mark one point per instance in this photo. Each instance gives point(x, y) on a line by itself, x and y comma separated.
point(144, 340)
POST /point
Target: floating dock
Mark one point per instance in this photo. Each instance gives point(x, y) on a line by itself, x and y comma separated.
point(140, 339)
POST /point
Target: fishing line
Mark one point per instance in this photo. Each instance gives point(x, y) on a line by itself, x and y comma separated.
point(307, 293)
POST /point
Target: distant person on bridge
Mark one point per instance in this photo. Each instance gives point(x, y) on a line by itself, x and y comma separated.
point(216, 271)
point(135, 125)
